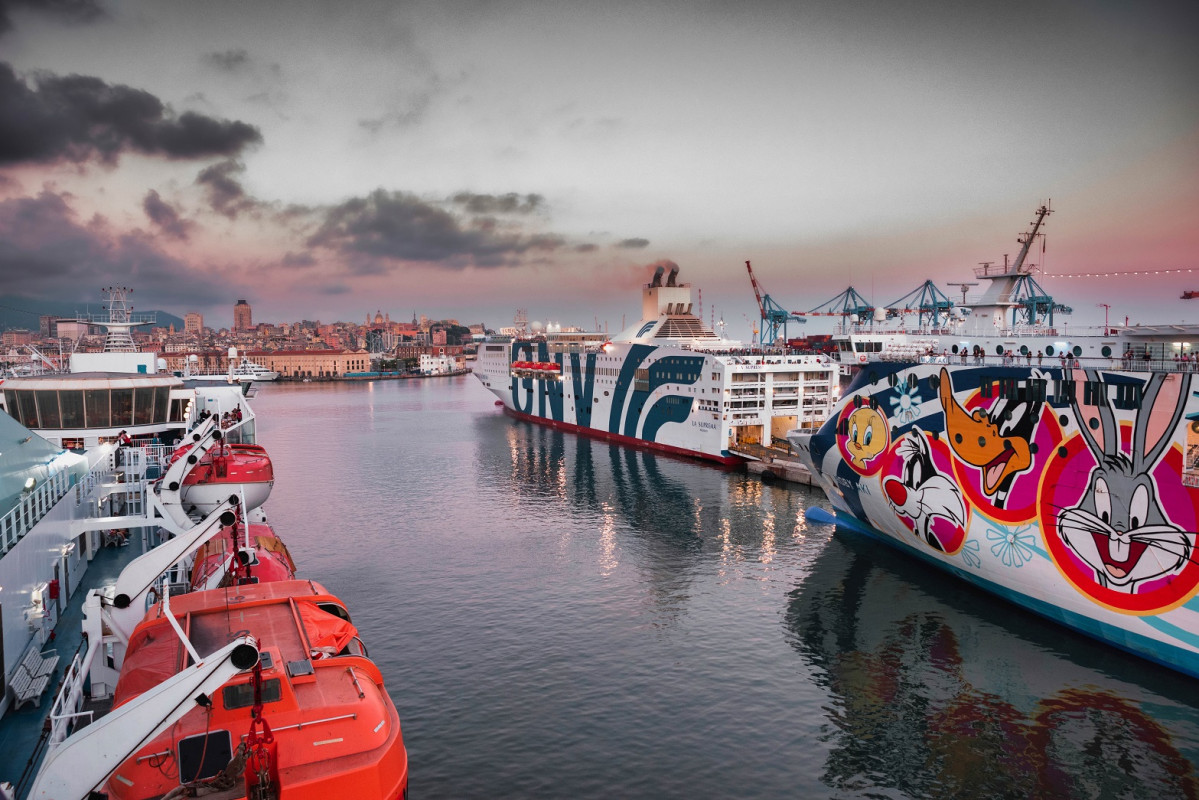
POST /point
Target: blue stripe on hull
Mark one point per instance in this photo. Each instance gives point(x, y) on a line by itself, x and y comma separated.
point(1142, 646)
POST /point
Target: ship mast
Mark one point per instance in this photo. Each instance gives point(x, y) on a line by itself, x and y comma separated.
point(1027, 241)
point(119, 320)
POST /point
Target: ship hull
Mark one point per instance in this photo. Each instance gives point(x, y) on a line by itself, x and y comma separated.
point(625, 441)
point(1068, 492)
point(664, 398)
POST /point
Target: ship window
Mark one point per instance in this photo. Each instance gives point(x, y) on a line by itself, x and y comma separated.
point(204, 756)
point(1128, 395)
point(96, 406)
point(998, 349)
point(1077, 350)
point(1065, 392)
point(29, 409)
point(71, 405)
point(14, 407)
point(47, 408)
point(241, 695)
point(122, 408)
point(1048, 349)
point(162, 403)
point(1106, 351)
point(143, 406)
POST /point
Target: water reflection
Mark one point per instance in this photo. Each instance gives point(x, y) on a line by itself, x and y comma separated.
point(666, 517)
point(941, 691)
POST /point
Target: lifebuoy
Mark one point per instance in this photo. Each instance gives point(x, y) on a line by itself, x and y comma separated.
point(862, 357)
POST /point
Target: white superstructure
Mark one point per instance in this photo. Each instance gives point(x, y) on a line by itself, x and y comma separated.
point(668, 383)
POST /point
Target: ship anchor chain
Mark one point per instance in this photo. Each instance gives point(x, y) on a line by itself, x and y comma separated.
point(258, 745)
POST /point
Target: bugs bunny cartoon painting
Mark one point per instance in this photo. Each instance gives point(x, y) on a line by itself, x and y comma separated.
point(1118, 527)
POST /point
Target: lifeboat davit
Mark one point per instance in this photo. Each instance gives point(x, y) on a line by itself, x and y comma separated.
point(242, 469)
point(264, 559)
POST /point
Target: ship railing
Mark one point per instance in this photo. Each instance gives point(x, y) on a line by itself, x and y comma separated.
point(1112, 363)
point(66, 708)
point(34, 504)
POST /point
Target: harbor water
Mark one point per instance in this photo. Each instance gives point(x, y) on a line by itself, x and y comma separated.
point(558, 617)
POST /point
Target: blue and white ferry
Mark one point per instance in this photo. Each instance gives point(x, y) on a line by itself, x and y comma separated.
point(667, 383)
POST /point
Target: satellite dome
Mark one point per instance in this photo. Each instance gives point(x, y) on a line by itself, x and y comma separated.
point(536, 326)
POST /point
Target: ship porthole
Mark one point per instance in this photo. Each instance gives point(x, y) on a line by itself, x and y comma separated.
point(1023, 349)
point(998, 349)
point(1077, 350)
point(1107, 351)
point(955, 349)
point(1049, 350)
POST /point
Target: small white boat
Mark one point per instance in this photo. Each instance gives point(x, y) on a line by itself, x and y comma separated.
point(242, 371)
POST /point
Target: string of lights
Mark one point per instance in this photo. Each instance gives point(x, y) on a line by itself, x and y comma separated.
point(1121, 273)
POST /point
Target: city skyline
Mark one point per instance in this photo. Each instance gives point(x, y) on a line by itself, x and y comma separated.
point(472, 159)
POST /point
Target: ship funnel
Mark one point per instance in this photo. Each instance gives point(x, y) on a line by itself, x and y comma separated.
point(674, 271)
point(657, 281)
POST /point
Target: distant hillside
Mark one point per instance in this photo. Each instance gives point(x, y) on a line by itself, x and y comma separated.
point(21, 312)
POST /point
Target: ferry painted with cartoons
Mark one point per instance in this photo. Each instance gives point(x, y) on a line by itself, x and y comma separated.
point(1065, 484)
point(668, 383)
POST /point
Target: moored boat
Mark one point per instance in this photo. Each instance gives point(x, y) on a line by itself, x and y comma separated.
point(252, 550)
point(306, 715)
point(667, 383)
point(227, 467)
point(1068, 487)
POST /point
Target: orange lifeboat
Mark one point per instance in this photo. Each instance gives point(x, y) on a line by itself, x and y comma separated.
point(244, 469)
point(312, 720)
point(267, 558)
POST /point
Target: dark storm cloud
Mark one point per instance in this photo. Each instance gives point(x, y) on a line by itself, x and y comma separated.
point(298, 260)
point(166, 217)
point(78, 118)
point(225, 193)
point(71, 11)
point(510, 203)
point(228, 60)
point(384, 227)
point(46, 252)
point(633, 244)
point(586, 248)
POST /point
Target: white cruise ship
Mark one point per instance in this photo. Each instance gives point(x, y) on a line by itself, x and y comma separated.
point(667, 383)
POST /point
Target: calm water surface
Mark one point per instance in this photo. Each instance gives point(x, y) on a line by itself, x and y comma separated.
point(558, 617)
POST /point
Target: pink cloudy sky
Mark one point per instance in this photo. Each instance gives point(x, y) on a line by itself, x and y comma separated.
point(324, 160)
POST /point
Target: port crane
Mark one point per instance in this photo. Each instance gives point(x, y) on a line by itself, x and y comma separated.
point(927, 302)
point(849, 305)
point(774, 316)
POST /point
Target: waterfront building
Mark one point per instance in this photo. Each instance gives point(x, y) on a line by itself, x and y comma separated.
point(311, 363)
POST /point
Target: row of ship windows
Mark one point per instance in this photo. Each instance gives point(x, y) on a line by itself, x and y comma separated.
point(1094, 393)
point(95, 408)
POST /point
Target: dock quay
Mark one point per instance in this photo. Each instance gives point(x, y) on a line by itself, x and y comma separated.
point(776, 461)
